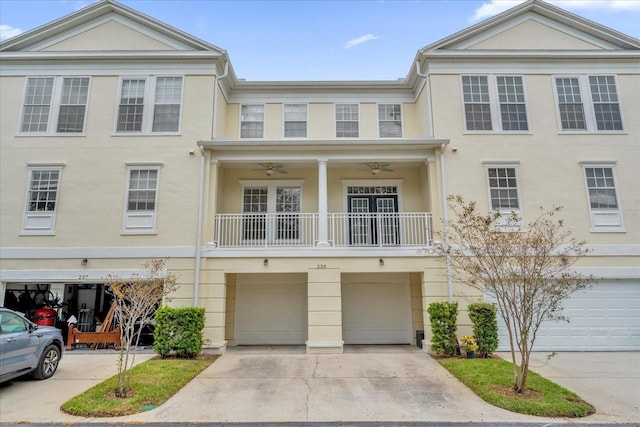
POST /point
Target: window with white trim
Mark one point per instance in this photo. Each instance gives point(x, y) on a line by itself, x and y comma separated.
point(270, 210)
point(42, 199)
point(504, 193)
point(295, 120)
point(603, 197)
point(347, 120)
point(252, 121)
point(390, 120)
point(149, 105)
point(141, 199)
point(55, 105)
point(494, 103)
point(577, 111)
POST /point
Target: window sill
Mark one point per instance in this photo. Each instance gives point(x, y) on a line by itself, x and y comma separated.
point(143, 134)
point(37, 233)
point(497, 132)
point(608, 229)
point(593, 132)
point(138, 232)
point(52, 135)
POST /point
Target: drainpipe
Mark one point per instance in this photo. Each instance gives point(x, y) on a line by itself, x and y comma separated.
point(443, 182)
point(214, 124)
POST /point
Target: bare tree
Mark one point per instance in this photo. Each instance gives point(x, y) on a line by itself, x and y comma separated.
point(136, 301)
point(524, 268)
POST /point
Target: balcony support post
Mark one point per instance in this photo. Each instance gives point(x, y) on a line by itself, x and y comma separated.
point(323, 210)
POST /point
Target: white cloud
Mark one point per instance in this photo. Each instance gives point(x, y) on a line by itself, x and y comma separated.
point(493, 7)
point(7, 31)
point(360, 40)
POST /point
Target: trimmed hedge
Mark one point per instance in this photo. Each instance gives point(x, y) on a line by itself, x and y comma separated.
point(179, 330)
point(484, 316)
point(444, 329)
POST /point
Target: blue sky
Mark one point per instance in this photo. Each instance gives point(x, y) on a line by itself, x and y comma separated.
point(318, 39)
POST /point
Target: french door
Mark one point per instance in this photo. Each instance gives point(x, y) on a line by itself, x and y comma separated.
point(271, 213)
point(373, 220)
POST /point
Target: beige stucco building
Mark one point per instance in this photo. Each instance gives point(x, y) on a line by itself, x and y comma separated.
point(299, 212)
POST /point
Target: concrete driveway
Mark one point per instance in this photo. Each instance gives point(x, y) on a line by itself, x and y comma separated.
point(376, 383)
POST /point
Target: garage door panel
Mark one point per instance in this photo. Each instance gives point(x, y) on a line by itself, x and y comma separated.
point(605, 317)
point(271, 310)
point(376, 310)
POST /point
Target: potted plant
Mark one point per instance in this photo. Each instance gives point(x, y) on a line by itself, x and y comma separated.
point(469, 346)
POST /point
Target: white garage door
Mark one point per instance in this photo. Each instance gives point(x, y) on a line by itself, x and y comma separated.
point(271, 309)
point(605, 317)
point(376, 309)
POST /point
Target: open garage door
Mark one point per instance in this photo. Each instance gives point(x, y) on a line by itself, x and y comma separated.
point(605, 317)
point(376, 309)
point(271, 309)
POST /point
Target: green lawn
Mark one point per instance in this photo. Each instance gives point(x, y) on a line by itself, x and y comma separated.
point(491, 379)
point(153, 382)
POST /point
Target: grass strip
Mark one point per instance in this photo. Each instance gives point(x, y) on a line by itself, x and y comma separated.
point(491, 379)
point(152, 383)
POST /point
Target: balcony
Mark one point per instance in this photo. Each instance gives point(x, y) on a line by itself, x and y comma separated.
point(301, 230)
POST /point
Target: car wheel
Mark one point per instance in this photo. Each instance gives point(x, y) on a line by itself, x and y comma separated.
point(48, 363)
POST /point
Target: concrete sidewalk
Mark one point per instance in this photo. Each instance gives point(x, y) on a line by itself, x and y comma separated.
point(396, 383)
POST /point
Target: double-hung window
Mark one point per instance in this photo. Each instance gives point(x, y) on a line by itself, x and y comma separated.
point(588, 103)
point(504, 193)
point(252, 121)
point(494, 103)
point(42, 199)
point(55, 105)
point(295, 120)
point(149, 105)
point(141, 202)
point(347, 121)
point(390, 120)
point(606, 214)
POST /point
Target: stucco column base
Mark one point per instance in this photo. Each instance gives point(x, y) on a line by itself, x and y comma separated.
point(325, 347)
point(215, 348)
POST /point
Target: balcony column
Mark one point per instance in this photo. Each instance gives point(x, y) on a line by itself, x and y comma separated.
point(323, 210)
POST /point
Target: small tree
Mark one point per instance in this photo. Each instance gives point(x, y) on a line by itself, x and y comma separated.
point(136, 300)
point(525, 269)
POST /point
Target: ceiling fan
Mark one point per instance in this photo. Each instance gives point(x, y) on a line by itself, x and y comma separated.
point(270, 168)
point(376, 168)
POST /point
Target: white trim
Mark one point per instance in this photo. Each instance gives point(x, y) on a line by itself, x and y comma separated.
point(77, 276)
point(591, 125)
point(97, 252)
point(54, 106)
point(144, 226)
point(148, 106)
point(497, 126)
point(335, 121)
point(371, 183)
point(595, 213)
point(45, 220)
point(284, 120)
point(378, 104)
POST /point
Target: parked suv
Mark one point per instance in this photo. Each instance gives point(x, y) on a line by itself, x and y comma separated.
point(27, 348)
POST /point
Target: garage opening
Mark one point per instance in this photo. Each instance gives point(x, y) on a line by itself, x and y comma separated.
point(605, 317)
point(271, 309)
point(376, 308)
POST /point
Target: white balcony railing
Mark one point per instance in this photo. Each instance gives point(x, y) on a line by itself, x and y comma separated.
point(268, 230)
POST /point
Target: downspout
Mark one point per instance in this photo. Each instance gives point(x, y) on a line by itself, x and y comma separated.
point(443, 183)
point(214, 124)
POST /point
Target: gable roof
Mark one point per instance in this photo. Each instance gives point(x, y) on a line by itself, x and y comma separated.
point(105, 10)
point(589, 31)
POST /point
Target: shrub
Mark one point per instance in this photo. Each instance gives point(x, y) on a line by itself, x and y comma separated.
point(179, 329)
point(443, 317)
point(485, 326)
